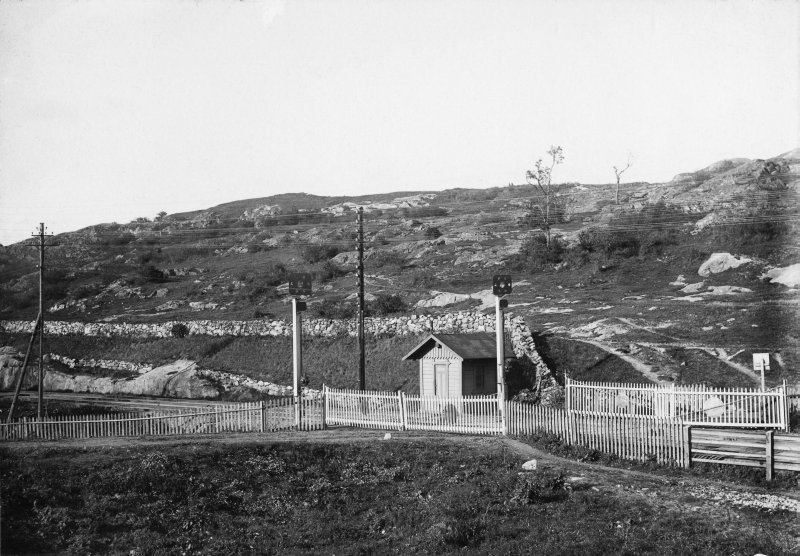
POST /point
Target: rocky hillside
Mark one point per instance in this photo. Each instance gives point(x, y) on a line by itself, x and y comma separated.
point(633, 265)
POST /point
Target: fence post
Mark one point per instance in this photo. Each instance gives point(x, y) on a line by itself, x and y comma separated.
point(401, 399)
point(687, 447)
point(770, 463)
point(504, 420)
point(324, 406)
point(784, 400)
point(572, 428)
point(673, 403)
point(263, 414)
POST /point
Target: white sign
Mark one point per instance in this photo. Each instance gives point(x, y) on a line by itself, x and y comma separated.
point(759, 359)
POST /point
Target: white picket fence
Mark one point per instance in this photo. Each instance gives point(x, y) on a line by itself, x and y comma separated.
point(693, 404)
point(272, 415)
point(640, 438)
point(644, 437)
point(396, 410)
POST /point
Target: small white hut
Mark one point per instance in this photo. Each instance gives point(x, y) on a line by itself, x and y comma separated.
point(454, 365)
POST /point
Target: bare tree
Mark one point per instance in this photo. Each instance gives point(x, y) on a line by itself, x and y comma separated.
point(547, 207)
point(618, 172)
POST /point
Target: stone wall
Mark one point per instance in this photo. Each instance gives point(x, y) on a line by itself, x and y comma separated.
point(461, 322)
point(327, 328)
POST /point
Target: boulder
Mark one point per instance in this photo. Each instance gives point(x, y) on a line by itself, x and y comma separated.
point(727, 290)
point(679, 281)
point(176, 380)
point(170, 305)
point(442, 299)
point(693, 288)
point(720, 262)
point(529, 465)
point(788, 276)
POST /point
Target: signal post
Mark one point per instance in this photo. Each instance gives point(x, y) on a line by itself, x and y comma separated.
point(501, 285)
point(299, 284)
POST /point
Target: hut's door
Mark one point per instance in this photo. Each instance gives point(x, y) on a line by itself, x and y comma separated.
point(440, 373)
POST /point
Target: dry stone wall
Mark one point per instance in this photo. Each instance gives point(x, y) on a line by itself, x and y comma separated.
point(460, 322)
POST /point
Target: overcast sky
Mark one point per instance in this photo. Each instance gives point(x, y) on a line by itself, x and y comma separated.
point(114, 110)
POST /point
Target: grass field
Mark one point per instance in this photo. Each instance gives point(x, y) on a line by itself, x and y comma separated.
point(381, 497)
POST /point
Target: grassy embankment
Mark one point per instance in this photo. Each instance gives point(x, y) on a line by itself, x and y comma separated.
point(330, 361)
point(394, 497)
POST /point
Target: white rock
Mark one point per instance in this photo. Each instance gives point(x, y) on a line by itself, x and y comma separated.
point(387, 436)
point(529, 465)
point(679, 281)
point(788, 276)
point(693, 288)
point(727, 290)
point(720, 262)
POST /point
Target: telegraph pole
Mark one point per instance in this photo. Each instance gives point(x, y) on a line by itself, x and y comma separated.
point(362, 381)
point(41, 245)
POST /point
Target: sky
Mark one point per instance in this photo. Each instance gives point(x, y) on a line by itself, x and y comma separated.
point(111, 111)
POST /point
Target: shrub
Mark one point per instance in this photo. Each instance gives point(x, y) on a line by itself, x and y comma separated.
point(520, 375)
point(422, 212)
point(55, 284)
point(87, 290)
point(149, 273)
point(329, 271)
point(422, 279)
point(540, 487)
point(259, 314)
point(536, 254)
point(432, 232)
point(330, 309)
point(123, 238)
point(274, 275)
point(316, 253)
point(387, 304)
point(179, 330)
point(262, 293)
point(386, 258)
point(609, 242)
point(150, 257)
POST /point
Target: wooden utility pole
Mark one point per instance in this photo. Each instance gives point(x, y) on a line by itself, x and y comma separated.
point(41, 317)
point(362, 380)
point(37, 327)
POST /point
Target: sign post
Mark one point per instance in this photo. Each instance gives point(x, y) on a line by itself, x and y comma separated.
point(501, 285)
point(299, 284)
point(761, 363)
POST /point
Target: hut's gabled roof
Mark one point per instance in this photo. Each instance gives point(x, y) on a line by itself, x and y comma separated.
point(478, 345)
